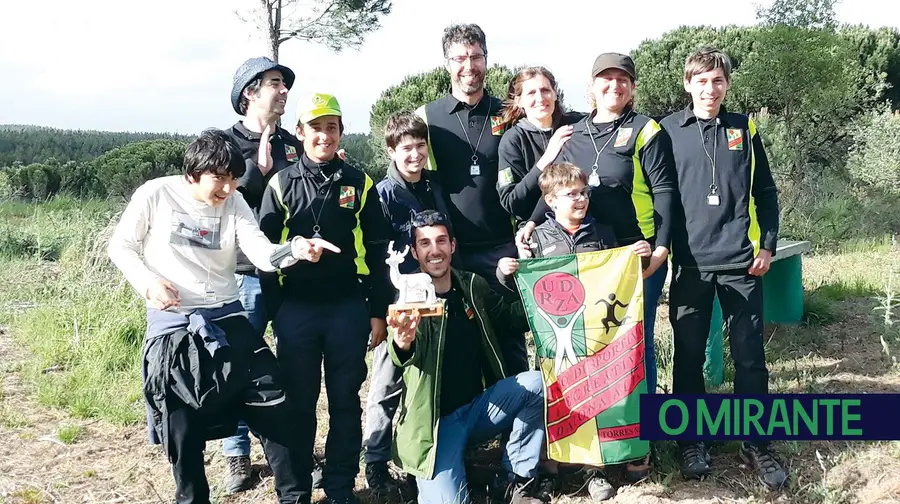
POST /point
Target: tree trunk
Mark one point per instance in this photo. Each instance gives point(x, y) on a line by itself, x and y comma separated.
point(273, 28)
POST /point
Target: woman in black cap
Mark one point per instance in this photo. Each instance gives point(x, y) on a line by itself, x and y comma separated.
point(628, 160)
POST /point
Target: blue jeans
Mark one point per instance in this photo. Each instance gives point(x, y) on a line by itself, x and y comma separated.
point(251, 297)
point(515, 403)
point(653, 287)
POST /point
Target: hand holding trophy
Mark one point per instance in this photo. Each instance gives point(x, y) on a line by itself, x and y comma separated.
point(416, 289)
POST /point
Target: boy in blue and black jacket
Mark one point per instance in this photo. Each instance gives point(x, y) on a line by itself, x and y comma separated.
point(407, 189)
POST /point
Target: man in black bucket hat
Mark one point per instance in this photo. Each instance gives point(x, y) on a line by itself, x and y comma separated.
point(259, 94)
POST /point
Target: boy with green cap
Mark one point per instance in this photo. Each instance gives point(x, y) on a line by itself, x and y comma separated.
point(327, 312)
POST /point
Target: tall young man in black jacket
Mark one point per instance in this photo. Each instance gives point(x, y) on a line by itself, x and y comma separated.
point(464, 131)
point(723, 243)
point(259, 94)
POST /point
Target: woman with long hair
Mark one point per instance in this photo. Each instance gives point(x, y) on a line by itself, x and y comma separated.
point(536, 127)
point(628, 160)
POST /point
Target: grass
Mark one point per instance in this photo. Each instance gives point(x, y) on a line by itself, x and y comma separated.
point(69, 434)
point(80, 321)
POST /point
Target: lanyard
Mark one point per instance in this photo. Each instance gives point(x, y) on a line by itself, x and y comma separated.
point(713, 197)
point(594, 178)
point(315, 215)
point(474, 168)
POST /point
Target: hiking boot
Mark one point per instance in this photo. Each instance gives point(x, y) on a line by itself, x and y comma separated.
point(599, 488)
point(378, 478)
point(769, 470)
point(513, 489)
point(547, 486)
point(695, 461)
point(637, 471)
point(318, 468)
point(237, 474)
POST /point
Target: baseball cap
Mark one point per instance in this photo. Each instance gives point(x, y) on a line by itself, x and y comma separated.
point(614, 60)
point(317, 105)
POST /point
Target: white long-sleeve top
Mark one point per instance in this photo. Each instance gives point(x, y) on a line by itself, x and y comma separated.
point(166, 233)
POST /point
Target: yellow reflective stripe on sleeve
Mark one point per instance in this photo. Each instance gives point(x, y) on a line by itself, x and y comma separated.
point(754, 232)
point(640, 192)
point(431, 164)
point(361, 267)
point(275, 183)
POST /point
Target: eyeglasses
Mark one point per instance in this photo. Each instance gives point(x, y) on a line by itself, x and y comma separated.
point(474, 58)
point(573, 195)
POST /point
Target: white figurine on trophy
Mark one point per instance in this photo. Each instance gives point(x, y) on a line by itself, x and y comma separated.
point(416, 289)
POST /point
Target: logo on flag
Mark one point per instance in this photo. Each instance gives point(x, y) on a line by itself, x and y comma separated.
point(586, 314)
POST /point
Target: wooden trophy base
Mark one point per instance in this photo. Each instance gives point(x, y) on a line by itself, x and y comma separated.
point(425, 310)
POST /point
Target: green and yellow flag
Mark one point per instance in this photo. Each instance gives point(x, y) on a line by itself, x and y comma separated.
point(586, 315)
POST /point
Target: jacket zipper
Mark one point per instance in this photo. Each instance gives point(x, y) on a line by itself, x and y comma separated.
point(436, 416)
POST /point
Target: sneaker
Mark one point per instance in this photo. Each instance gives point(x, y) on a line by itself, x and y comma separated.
point(770, 471)
point(378, 478)
point(695, 461)
point(514, 489)
point(599, 488)
point(237, 474)
point(318, 468)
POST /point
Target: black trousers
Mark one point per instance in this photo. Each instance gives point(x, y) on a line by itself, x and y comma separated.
point(265, 410)
point(690, 310)
point(483, 262)
point(336, 331)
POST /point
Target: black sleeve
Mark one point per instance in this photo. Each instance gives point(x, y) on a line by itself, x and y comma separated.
point(376, 232)
point(252, 184)
point(766, 195)
point(539, 215)
point(517, 190)
point(505, 315)
point(271, 214)
point(658, 164)
point(507, 281)
point(271, 223)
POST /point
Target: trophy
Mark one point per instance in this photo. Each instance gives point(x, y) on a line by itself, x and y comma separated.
point(416, 289)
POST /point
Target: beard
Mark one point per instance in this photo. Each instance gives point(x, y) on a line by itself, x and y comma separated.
point(470, 84)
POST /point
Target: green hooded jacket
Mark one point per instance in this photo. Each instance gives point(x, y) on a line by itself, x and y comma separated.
point(416, 435)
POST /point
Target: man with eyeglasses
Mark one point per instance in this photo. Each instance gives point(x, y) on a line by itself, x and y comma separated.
point(464, 130)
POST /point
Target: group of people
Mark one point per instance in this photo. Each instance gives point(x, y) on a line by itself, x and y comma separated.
point(268, 224)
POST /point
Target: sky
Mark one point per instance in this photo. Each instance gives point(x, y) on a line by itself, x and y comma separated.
point(167, 65)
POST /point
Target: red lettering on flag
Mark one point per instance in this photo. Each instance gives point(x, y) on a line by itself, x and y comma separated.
point(591, 364)
point(597, 404)
point(619, 432)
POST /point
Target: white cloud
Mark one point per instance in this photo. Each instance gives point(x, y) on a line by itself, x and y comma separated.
point(167, 65)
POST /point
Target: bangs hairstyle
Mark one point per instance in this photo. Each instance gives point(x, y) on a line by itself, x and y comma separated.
point(707, 59)
point(465, 34)
point(404, 124)
point(300, 125)
point(214, 151)
point(512, 113)
point(560, 176)
point(428, 218)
